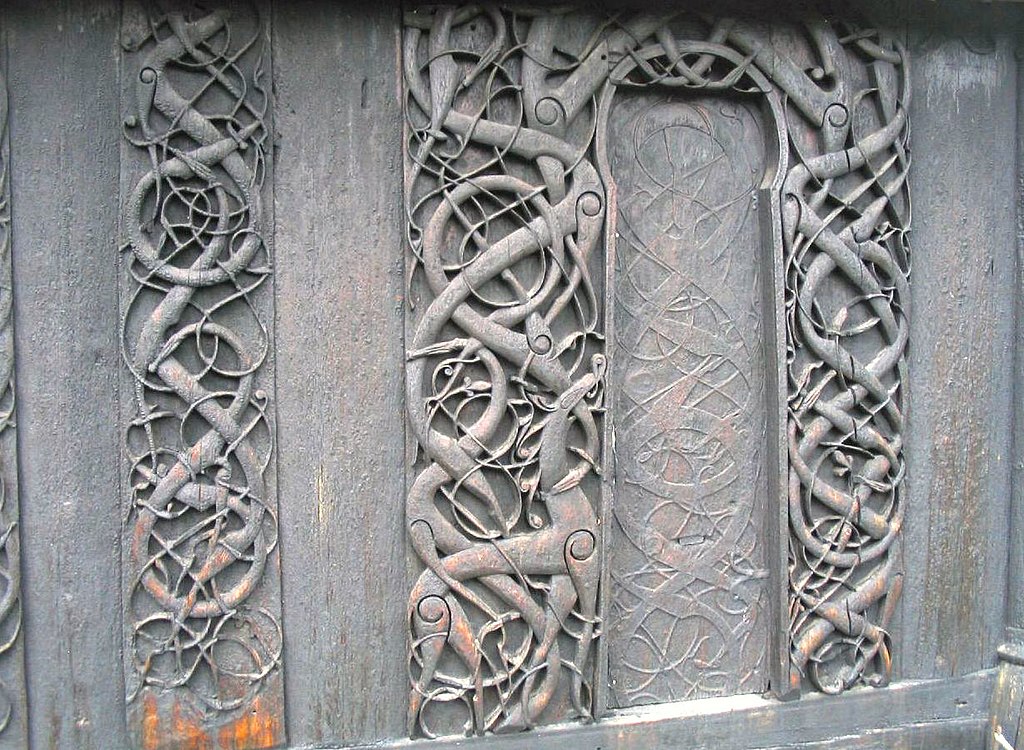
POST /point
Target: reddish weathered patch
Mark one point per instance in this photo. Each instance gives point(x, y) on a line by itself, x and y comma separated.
point(182, 728)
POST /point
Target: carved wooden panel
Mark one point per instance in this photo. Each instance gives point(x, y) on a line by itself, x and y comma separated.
point(203, 635)
point(689, 615)
point(13, 717)
point(757, 364)
point(505, 379)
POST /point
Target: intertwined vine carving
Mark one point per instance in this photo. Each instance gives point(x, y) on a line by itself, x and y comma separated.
point(202, 518)
point(504, 383)
point(10, 574)
point(507, 191)
point(845, 219)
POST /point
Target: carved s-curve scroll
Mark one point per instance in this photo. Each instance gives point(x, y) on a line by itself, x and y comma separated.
point(507, 200)
point(13, 718)
point(201, 573)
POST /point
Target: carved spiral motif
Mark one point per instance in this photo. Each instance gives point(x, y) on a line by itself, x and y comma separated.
point(505, 385)
point(199, 443)
point(505, 210)
point(10, 574)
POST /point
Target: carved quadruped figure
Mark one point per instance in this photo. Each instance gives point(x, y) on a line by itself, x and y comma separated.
point(508, 193)
point(505, 386)
point(201, 624)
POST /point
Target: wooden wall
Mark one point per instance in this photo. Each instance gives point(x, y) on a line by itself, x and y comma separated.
point(338, 290)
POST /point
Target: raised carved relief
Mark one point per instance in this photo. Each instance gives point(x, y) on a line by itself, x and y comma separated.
point(845, 216)
point(12, 677)
point(513, 120)
point(689, 611)
point(505, 380)
point(202, 591)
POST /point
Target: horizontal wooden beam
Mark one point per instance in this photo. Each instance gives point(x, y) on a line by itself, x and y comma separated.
point(955, 711)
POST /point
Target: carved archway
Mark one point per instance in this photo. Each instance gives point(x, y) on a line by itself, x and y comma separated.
point(507, 364)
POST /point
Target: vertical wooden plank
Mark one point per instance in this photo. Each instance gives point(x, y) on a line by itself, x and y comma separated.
point(1007, 715)
point(340, 368)
point(62, 75)
point(13, 707)
point(964, 116)
point(201, 572)
point(505, 369)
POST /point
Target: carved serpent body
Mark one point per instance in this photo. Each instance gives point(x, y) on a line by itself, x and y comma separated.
point(202, 525)
point(507, 115)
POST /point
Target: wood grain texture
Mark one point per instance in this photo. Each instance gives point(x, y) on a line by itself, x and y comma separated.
point(1007, 719)
point(955, 548)
point(948, 735)
point(341, 422)
point(1015, 573)
point(65, 131)
point(952, 713)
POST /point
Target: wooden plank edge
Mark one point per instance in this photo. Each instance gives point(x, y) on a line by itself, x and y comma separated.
point(755, 723)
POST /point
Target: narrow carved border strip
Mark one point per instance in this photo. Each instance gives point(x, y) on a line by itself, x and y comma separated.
point(203, 638)
point(13, 718)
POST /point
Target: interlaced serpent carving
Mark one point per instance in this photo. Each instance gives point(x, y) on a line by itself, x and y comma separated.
point(504, 382)
point(10, 575)
point(845, 217)
point(507, 113)
point(199, 440)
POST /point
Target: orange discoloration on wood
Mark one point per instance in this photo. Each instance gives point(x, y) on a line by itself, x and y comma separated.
point(256, 729)
point(188, 734)
point(180, 727)
point(177, 729)
point(150, 723)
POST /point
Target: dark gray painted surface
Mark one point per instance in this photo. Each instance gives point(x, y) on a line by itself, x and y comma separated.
point(65, 132)
point(341, 418)
point(962, 181)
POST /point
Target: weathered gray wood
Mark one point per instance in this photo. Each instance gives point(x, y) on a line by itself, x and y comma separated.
point(1007, 711)
point(200, 557)
point(955, 554)
point(948, 735)
point(341, 417)
point(13, 706)
point(953, 710)
point(1007, 719)
point(65, 131)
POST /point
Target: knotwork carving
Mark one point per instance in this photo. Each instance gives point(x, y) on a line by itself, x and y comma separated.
point(505, 381)
point(11, 674)
point(845, 217)
point(506, 206)
point(688, 611)
point(203, 531)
